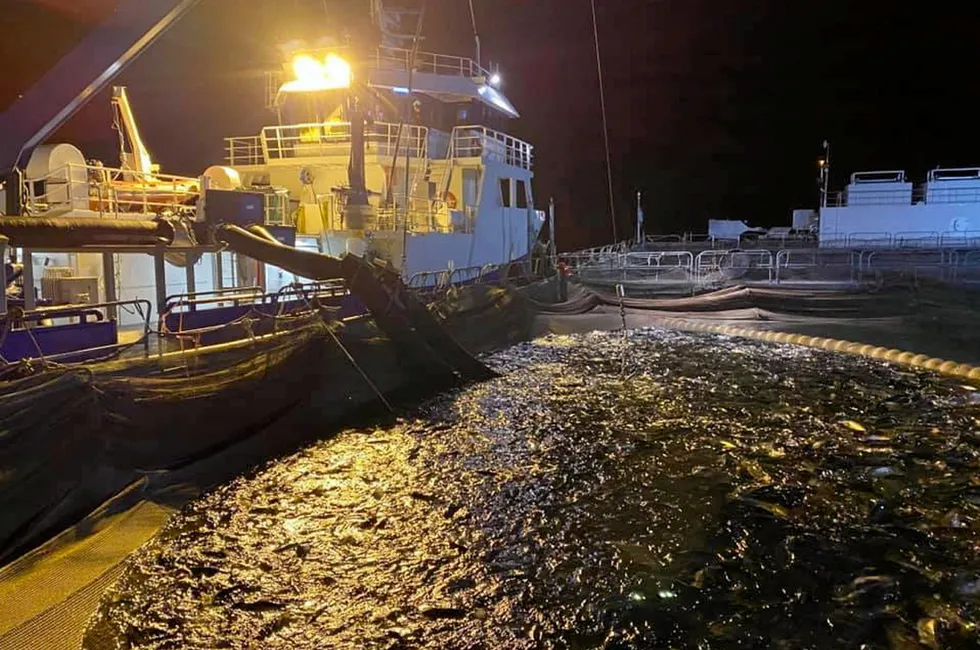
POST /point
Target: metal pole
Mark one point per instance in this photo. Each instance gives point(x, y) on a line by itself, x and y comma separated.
point(219, 272)
point(476, 34)
point(109, 274)
point(3, 260)
point(639, 216)
point(160, 280)
point(191, 280)
point(825, 174)
point(260, 274)
point(30, 301)
point(551, 228)
point(529, 232)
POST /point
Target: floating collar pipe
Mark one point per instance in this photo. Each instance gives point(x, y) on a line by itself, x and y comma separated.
point(901, 357)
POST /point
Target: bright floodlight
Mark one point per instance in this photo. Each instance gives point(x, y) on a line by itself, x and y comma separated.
point(313, 75)
point(495, 79)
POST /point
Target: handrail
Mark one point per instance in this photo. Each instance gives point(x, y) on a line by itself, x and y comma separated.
point(861, 265)
point(888, 176)
point(934, 192)
point(109, 190)
point(944, 174)
point(311, 290)
point(142, 306)
point(475, 141)
point(65, 311)
point(427, 62)
point(317, 139)
point(192, 300)
point(255, 299)
point(244, 150)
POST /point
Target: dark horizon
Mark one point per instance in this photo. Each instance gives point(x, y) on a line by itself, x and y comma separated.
point(715, 111)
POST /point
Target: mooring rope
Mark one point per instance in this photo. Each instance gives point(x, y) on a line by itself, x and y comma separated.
point(605, 124)
point(360, 370)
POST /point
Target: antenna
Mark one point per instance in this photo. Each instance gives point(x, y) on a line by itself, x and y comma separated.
point(824, 180)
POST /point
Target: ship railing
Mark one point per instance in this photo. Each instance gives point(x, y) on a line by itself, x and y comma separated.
point(315, 140)
point(593, 259)
point(429, 279)
point(936, 264)
point(231, 296)
point(881, 239)
point(396, 58)
point(422, 217)
point(660, 259)
point(960, 238)
point(937, 192)
point(251, 304)
point(34, 321)
point(244, 150)
point(837, 264)
point(711, 262)
point(916, 239)
point(807, 265)
point(690, 241)
point(311, 291)
point(865, 265)
point(903, 239)
point(481, 142)
point(608, 264)
point(108, 191)
point(276, 209)
point(390, 58)
point(444, 279)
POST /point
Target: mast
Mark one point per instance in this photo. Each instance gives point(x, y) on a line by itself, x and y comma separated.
point(824, 165)
point(476, 34)
point(358, 208)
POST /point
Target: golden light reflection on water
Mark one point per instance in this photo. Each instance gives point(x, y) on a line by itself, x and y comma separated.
point(706, 490)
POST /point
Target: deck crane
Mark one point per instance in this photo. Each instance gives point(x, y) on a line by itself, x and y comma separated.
point(132, 27)
point(137, 160)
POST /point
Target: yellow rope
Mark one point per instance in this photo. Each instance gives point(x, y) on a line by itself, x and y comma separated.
point(921, 361)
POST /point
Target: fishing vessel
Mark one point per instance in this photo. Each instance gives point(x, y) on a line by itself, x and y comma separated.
point(223, 340)
point(376, 147)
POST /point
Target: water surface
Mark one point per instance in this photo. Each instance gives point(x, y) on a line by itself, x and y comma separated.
point(665, 490)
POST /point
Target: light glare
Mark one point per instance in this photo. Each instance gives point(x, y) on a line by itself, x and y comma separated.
point(312, 75)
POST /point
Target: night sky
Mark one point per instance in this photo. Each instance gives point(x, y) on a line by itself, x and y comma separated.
point(717, 108)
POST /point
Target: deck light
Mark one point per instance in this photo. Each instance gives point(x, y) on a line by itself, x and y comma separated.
point(314, 75)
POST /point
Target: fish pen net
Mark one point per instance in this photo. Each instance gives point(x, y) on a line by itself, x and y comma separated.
point(99, 429)
point(672, 272)
point(71, 436)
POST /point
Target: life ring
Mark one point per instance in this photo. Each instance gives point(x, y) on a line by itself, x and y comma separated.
point(450, 200)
